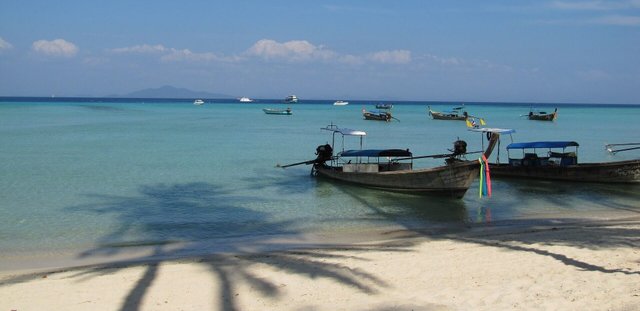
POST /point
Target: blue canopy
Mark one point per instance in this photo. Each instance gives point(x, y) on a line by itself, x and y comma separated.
point(543, 144)
point(376, 153)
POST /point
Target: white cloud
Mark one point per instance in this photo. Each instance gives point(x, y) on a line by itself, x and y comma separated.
point(142, 49)
point(187, 55)
point(595, 5)
point(172, 54)
point(271, 50)
point(594, 75)
point(57, 47)
point(618, 20)
point(4, 45)
point(297, 50)
point(391, 57)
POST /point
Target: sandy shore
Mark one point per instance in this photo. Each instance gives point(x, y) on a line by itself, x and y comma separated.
point(586, 265)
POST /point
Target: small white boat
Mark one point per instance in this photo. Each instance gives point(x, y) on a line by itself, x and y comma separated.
point(291, 99)
point(245, 100)
point(340, 103)
point(198, 102)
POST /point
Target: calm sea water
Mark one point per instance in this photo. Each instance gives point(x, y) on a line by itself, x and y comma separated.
point(80, 176)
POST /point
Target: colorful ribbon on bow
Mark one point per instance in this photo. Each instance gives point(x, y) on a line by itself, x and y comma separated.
point(485, 178)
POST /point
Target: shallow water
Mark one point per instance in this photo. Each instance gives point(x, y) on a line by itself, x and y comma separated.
point(84, 175)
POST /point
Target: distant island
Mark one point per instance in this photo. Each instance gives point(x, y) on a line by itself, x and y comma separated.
point(171, 92)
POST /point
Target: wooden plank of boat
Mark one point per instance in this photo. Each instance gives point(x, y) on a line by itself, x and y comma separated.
point(451, 180)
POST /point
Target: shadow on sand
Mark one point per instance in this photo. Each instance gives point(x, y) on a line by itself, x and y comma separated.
point(181, 213)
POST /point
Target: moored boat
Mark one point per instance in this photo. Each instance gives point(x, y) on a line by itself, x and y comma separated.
point(377, 115)
point(198, 102)
point(535, 114)
point(384, 106)
point(457, 113)
point(393, 169)
point(340, 103)
point(245, 100)
point(287, 111)
point(549, 160)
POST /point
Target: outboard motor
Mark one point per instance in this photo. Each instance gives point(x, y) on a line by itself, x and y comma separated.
point(459, 149)
point(324, 152)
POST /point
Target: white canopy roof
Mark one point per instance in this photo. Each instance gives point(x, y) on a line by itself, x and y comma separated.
point(345, 131)
point(493, 130)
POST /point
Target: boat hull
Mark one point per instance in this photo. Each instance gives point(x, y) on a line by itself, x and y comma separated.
point(278, 112)
point(608, 172)
point(450, 180)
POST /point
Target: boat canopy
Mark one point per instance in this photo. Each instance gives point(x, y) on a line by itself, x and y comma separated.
point(492, 130)
point(543, 144)
point(376, 153)
point(345, 131)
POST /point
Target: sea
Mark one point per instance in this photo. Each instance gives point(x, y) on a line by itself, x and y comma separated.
point(99, 177)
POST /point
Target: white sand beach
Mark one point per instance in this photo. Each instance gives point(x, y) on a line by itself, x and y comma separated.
point(586, 265)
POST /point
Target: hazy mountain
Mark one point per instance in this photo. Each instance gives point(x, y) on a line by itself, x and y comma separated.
point(173, 92)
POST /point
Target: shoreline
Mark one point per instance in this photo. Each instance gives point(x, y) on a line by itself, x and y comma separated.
point(587, 265)
point(37, 262)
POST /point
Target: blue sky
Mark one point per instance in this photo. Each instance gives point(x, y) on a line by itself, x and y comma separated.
point(525, 51)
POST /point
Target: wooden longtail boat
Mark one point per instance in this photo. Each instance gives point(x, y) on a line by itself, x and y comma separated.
point(540, 161)
point(392, 169)
point(542, 116)
point(457, 113)
point(377, 115)
point(278, 111)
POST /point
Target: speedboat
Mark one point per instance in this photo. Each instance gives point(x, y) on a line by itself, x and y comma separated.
point(340, 103)
point(198, 102)
point(291, 99)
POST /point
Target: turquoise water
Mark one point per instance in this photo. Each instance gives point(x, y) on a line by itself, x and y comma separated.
point(81, 176)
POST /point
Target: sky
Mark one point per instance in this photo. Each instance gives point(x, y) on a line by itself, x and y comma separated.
point(569, 51)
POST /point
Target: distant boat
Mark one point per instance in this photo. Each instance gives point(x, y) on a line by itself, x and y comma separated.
point(384, 106)
point(457, 113)
point(539, 160)
point(291, 99)
point(377, 115)
point(535, 114)
point(340, 103)
point(198, 102)
point(278, 111)
point(245, 100)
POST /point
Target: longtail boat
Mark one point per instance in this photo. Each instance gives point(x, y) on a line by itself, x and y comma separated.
point(278, 111)
point(392, 169)
point(535, 114)
point(377, 115)
point(457, 113)
point(550, 160)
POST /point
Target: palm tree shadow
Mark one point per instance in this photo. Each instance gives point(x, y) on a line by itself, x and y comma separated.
point(178, 220)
